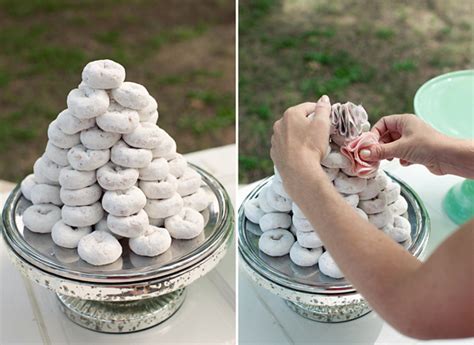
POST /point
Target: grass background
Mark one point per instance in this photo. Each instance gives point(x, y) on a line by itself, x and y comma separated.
point(183, 51)
point(376, 53)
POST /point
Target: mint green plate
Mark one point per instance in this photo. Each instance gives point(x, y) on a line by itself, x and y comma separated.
point(447, 103)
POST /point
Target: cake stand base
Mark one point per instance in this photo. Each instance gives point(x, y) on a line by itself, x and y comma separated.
point(121, 317)
point(330, 314)
point(459, 202)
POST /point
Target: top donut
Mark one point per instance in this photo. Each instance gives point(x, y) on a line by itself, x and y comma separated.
point(103, 74)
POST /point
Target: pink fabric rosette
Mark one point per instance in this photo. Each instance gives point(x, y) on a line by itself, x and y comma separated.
point(351, 150)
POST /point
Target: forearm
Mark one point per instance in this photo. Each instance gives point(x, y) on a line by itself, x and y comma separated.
point(456, 156)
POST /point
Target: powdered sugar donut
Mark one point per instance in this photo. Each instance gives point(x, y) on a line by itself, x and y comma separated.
point(392, 192)
point(328, 266)
point(335, 159)
point(276, 242)
point(349, 185)
point(164, 208)
point(81, 197)
point(68, 236)
point(361, 213)
point(305, 256)
point(400, 229)
point(153, 118)
point(165, 147)
point(70, 124)
point(399, 207)
point(27, 185)
point(129, 157)
point(61, 139)
point(375, 205)
point(297, 212)
point(38, 172)
point(308, 239)
point(129, 226)
point(83, 159)
point(199, 200)
point(70, 178)
point(145, 136)
point(153, 242)
point(187, 224)
point(49, 169)
point(114, 177)
point(80, 216)
point(148, 111)
point(45, 194)
point(189, 182)
point(374, 186)
point(252, 211)
point(118, 119)
point(160, 189)
point(99, 248)
point(277, 201)
point(381, 219)
point(131, 95)
point(351, 199)
point(157, 170)
point(40, 218)
point(331, 173)
point(56, 154)
point(103, 74)
point(95, 138)
point(277, 186)
point(123, 203)
point(87, 103)
point(302, 224)
point(275, 220)
point(178, 166)
point(262, 200)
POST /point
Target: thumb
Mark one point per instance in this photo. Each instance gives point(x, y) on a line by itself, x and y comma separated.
point(379, 151)
point(322, 111)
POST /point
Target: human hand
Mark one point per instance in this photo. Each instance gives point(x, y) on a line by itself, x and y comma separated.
point(299, 143)
point(409, 138)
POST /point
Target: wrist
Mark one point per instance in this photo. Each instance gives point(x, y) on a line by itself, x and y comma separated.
point(457, 157)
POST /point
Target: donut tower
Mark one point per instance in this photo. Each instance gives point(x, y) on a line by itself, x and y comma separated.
point(364, 186)
point(109, 173)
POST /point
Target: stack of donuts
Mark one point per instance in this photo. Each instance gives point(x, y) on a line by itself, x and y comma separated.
point(109, 172)
point(374, 196)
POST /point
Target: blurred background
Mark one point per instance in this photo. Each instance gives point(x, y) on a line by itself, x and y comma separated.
point(375, 53)
point(182, 51)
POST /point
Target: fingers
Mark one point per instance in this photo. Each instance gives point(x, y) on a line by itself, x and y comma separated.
point(378, 152)
point(301, 110)
point(388, 125)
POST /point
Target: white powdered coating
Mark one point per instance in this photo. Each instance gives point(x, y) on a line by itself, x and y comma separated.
point(103, 74)
point(153, 242)
point(305, 256)
point(335, 159)
point(129, 157)
point(45, 194)
point(147, 113)
point(349, 185)
point(61, 139)
point(178, 166)
point(99, 248)
point(374, 186)
point(95, 138)
point(163, 189)
point(144, 136)
point(153, 117)
point(157, 170)
point(123, 203)
point(83, 159)
point(166, 146)
point(399, 230)
point(308, 239)
point(164, 208)
point(351, 199)
point(198, 201)
point(399, 207)
point(67, 236)
point(114, 177)
point(39, 174)
point(56, 154)
point(262, 200)
point(328, 266)
point(392, 192)
point(331, 173)
point(118, 119)
point(297, 211)
point(381, 219)
point(302, 224)
point(189, 182)
point(277, 201)
point(87, 103)
point(252, 211)
point(131, 95)
point(27, 185)
point(187, 224)
point(277, 186)
point(80, 216)
point(276, 242)
point(129, 226)
point(70, 178)
point(41, 218)
point(70, 124)
point(275, 220)
point(49, 169)
point(81, 197)
point(376, 205)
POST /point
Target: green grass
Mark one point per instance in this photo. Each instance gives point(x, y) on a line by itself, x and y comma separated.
point(385, 33)
point(404, 66)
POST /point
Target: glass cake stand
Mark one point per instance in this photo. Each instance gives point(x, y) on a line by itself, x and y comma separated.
point(134, 292)
point(447, 104)
point(306, 290)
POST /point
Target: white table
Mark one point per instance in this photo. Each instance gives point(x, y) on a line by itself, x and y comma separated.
point(265, 318)
point(30, 314)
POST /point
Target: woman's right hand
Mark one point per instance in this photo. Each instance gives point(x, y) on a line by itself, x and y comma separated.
point(409, 138)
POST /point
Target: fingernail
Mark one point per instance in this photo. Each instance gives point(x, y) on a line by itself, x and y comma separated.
point(324, 99)
point(365, 153)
